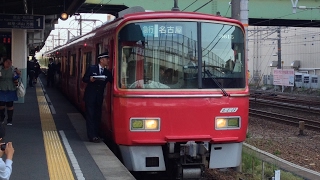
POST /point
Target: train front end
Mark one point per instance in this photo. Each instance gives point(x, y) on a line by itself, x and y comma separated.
point(180, 92)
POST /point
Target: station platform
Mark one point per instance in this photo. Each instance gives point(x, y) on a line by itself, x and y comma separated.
point(49, 138)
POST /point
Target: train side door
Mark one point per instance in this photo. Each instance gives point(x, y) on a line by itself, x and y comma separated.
point(79, 77)
point(68, 71)
point(85, 64)
point(109, 90)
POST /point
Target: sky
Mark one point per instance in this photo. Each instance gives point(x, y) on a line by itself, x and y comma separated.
point(72, 26)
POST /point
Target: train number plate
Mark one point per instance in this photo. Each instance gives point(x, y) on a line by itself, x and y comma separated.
point(229, 110)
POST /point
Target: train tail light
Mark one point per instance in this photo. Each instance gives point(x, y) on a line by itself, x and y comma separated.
point(145, 124)
point(227, 123)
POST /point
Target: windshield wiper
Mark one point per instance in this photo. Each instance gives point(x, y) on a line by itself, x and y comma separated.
point(215, 81)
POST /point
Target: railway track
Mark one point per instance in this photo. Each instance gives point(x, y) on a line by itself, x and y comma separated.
point(287, 106)
point(287, 103)
point(285, 141)
point(287, 99)
point(309, 124)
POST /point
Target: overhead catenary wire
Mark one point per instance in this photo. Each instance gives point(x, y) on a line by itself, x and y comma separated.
point(64, 34)
point(311, 37)
point(202, 6)
point(94, 11)
point(189, 5)
point(298, 37)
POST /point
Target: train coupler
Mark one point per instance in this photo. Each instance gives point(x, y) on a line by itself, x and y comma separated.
point(194, 149)
point(186, 172)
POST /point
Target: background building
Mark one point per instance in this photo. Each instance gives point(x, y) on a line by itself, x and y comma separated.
point(298, 49)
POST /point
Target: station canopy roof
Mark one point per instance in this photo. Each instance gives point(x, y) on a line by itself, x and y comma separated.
point(56, 7)
point(52, 9)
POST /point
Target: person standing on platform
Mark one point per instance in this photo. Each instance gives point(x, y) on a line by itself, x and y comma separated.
point(51, 72)
point(93, 95)
point(36, 69)
point(8, 150)
point(31, 72)
point(8, 90)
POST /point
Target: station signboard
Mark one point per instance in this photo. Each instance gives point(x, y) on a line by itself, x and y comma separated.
point(15, 21)
point(283, 77)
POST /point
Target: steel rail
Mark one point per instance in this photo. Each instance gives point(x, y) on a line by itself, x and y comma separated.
point(309, 124)
point(287, 106)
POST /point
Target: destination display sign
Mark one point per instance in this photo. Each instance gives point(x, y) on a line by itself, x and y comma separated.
point(12, 21)
point(157, 30)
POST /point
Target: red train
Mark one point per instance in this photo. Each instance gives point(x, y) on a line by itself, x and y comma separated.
point(179, 98)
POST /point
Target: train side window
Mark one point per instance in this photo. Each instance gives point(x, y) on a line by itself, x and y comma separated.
point(74, 67)
point(86, 62)
point(98, 49)
point(58, 65)
point(89, 59)
point(64, 64)
point(84, 67)
point(72, 64)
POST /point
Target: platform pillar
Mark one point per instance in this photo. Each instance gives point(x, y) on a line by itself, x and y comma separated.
point(19, 55)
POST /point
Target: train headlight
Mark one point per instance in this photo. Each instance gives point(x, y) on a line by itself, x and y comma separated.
point(151, 124)
point(227, 123)
point(145, 124)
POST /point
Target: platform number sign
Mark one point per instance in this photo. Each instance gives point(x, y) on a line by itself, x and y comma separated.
point(22, 21)
point(38, 21)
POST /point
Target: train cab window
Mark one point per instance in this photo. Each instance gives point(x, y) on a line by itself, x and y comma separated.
point(165, 55)
point(223, 57)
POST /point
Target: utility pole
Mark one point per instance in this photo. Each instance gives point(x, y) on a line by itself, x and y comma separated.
point(80, 21)
point(235, 9)
point(279, 48)
point(239, 11)
point(55, 39)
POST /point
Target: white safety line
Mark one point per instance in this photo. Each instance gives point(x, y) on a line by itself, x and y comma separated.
point(53, 111)
point(47, 98)
point(72, 157)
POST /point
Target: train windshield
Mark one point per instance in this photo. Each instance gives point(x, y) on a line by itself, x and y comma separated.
point(181, 55)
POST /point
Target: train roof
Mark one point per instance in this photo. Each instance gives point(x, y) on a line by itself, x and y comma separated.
point(178, 15)
point(138, 13)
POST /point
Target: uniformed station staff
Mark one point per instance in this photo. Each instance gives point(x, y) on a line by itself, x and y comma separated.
point(96, 77)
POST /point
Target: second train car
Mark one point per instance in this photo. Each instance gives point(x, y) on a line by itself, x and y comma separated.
point(179, 97)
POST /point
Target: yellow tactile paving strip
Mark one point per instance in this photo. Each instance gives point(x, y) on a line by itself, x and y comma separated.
point(58, 165)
